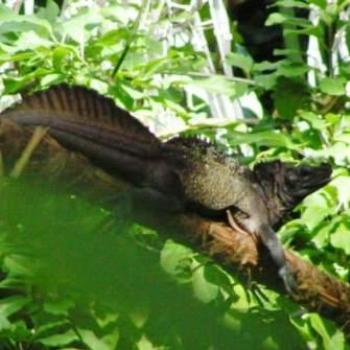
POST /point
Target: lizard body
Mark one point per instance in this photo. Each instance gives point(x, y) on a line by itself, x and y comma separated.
point(191, 173)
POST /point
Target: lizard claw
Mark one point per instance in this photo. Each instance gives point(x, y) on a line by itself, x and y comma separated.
point(288, 279)
point(233, 223)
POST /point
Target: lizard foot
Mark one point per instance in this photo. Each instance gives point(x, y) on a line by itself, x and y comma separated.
point(288, 279)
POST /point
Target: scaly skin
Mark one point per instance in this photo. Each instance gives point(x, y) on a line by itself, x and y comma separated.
point(182, 174)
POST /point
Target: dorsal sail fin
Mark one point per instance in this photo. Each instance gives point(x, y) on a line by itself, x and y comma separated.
point(80, 104)
point(83, 121)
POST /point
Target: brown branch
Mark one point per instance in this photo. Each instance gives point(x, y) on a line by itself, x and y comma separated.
point(236, 251)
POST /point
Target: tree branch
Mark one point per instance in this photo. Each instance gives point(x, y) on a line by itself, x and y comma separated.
point(238, 252)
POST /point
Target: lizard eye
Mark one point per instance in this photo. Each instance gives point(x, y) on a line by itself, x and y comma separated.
point(240, 214)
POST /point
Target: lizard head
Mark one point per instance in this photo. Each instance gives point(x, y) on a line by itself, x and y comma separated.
point(286, 185)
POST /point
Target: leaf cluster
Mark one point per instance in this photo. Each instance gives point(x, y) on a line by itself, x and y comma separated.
point(68, 284)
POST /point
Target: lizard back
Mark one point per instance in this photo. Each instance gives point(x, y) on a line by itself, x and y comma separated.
point(211, 178)
point(83, 121)
point(81, 106)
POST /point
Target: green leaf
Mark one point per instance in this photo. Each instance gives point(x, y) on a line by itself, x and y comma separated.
point(5, 11)
point(51, 327)
point(107, 319)
point(276, 18)
point(331, 337)
point(11, 305)
point(173, 256)
point(307, 30)
point(285, 53)
point(204, 290)
point(265, 66)
point(61, 55)
point(79, 27)
point(31, 40)
point(99, 85)
point(317, 209)
point(320, 3)
point(243, 62)
point(4, 323)
point(292, 4)
point(135, 94)
point(218, 84)
point(145, 344)
point(342, 185)
point(291, 69)
point(107, 342)
point(333, 86)
point(51, 79)
point(18, 57)
point(17, 332)
point(315, 120)
point(217, 276)
point(122, 96)
point(263, 138)
point(113, 36)
point(11, 22)
point(17, 265)
point(50, 12)
point(62, 339)
point(321, 238)
point(122, 13)
point(290, 95)
point(340, 238)
point(59, 307)
point(266, 81)
point(14, 85)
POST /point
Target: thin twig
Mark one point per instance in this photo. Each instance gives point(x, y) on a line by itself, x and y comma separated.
point(21, 163)
point(209, 123)
point(131, 37)
point(210, 75)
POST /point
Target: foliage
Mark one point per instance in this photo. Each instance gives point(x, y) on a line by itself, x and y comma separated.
point(68, 285)
point(79, 286)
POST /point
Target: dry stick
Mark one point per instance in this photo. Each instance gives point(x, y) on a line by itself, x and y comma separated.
point(33, 143)
point(316, 290)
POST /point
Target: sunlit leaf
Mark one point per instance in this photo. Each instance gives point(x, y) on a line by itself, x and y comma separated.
point(173, 256)
point(276, 18)
point(240, 61)
point(10, 305)
point(316, 121)
point(331, 338)
point(292, 4)
point(263, 138)
point(58, 307)
point(105, 342)
point(202, 288)
point(50, 12)
point(317, 209)
point(217, 84)
point(60, 340)
point(79, 28)
point(11, 22)
point(339, 238)
point(333, 86)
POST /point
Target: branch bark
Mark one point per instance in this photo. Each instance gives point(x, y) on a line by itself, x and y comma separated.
point(235, 251)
